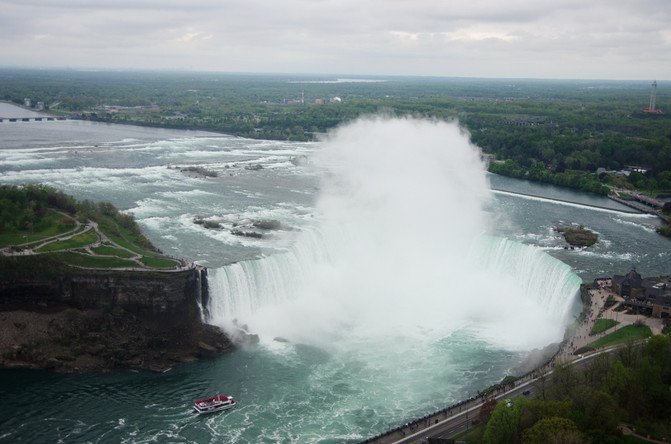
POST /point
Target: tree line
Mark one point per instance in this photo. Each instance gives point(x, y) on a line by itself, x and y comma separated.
point(25, 209)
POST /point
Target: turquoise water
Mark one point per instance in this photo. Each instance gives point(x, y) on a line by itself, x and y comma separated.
point(389, 356)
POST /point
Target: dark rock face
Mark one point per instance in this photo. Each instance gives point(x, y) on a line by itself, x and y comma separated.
point(102, 320)
point(156, 293)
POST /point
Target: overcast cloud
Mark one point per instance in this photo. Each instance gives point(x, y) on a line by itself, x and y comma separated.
point(607, 39)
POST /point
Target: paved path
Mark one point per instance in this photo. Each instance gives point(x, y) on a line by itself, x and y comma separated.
point(597, 310)
point(628, 431)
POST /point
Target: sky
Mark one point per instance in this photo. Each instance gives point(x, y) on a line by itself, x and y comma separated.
point(571, 39)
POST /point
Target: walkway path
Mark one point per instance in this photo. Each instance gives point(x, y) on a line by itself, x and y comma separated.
point(649, 205)
point(598, 297)
point(628, 431)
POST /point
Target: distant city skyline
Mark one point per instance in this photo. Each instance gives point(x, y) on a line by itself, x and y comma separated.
point(562, 39)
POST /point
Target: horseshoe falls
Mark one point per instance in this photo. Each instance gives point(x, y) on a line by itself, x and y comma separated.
point(512, 295)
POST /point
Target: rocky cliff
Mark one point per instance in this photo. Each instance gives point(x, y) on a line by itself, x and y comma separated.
point(97, 320)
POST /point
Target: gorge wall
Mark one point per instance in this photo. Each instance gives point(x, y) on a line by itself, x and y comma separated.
point(168, 296)
point(98, 320)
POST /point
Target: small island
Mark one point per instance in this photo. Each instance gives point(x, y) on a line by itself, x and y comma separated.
point(578, 237)
point(199, 170)
point(264, 225)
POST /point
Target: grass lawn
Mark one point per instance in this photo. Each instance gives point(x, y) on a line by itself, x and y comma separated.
point(81, 240)
point(628, 333)
point(610, 302)
point(603, 325)
point(86, 260)
point(157, 262)
point(17, 237)
point(121, 236)
point(106, 250)
point(56, 225)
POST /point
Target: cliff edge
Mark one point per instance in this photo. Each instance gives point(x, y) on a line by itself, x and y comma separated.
point(69, 320)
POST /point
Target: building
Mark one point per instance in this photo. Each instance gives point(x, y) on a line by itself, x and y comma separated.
point(26, 102)
point(629, 285)
point(653, 296)
point(662, 309)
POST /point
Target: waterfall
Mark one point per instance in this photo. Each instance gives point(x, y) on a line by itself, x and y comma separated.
point(398, 249)
point(526, 286)
point(508, 293)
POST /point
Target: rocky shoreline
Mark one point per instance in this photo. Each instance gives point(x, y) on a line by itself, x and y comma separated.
point(97, 321)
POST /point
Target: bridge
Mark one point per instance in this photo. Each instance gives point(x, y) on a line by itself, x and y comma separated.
point(32, 119)
point(641, 203)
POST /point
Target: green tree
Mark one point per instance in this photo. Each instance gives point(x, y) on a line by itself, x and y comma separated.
point(618, 381)
point(504, 424)
point(598, 411)
point(565, 381)
point(537, 409)
point(548, 429)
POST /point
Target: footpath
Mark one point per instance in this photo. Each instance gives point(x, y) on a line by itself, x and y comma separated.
point(626, 430)
point(598, 297)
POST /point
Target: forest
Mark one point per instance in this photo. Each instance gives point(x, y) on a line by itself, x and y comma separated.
point(629, 388)
point(556, 131)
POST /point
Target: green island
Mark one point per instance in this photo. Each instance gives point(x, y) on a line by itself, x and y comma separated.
point(578, 237)
point(37, 219)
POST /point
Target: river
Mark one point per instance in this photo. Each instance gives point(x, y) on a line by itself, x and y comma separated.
point(403, 279)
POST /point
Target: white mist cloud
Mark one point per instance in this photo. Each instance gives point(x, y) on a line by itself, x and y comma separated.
point(387, 182)
point(399, 251)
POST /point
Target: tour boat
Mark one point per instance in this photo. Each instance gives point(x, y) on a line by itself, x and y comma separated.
point(214, 404)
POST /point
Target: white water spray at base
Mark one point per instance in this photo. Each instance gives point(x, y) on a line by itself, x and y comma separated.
point(399, 251)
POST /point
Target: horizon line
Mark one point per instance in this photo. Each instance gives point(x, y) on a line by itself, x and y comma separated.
point(307, 74)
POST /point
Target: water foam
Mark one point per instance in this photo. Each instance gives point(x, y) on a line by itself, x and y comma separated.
point(399, 250)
